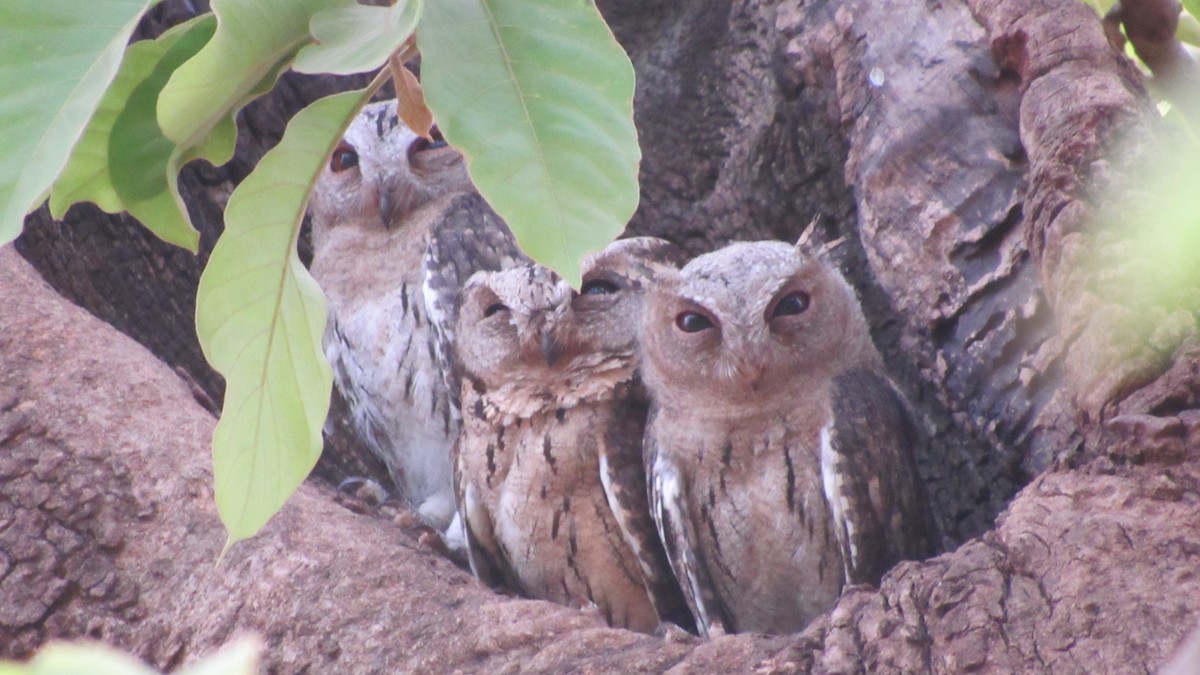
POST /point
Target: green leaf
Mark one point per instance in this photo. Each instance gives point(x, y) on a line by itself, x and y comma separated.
point(1188, 29)
point(1191, 7)
point(357, 38)
point(254, 43)
point(64, 658)
point(123, 162)
point(538, 96)
point(56, 59)
point(260, 317)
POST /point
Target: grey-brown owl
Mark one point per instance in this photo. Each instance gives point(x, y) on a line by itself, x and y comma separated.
point(397, 228)
point(549, 467)
point(780, 455)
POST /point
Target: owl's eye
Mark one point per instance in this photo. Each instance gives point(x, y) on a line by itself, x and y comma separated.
point(344, 157)
point(791, 305)
point(436, 134)
point(692, 322)
point(495, 308)
point(598, 287)
point(435, 141)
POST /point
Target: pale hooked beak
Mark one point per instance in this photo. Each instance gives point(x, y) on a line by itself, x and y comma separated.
point(387, 205)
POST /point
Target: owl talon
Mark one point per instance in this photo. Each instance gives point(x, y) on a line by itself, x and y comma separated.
point(409, 520)
point(585, 605)
point(360, 494)
point(672, 632)
point(434, 541)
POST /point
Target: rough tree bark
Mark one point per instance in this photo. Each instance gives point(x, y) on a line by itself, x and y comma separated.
point(953, 145)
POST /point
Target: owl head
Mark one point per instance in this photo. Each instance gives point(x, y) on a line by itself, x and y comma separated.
point(381, 171)
point(603, 318)
point(501, 323)
point(754, 324)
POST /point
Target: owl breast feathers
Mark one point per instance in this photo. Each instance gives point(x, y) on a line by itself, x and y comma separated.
point(397, 228)
point(779, 455)
point(548, 467)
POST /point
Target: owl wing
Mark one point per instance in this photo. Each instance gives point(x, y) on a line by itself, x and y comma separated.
point(468, 237)
point(677, 528)
point(488, 562)
point(623, 475)
point(880, 511)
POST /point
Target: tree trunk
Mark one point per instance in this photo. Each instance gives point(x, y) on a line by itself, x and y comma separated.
point(952, 144)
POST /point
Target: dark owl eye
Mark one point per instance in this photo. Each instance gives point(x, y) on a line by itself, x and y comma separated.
point(436, 134)
point(495, 308)
point(791, 305)
point(435, 141)
point(344, 157)
point(692, 322)
point(598, 287)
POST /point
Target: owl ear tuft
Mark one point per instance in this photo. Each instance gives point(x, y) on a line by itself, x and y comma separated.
point(805, 246)
point(804, 243)
point(830, 246)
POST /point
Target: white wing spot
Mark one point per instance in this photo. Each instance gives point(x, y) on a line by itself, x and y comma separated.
point(835, 495)
point(666, 486)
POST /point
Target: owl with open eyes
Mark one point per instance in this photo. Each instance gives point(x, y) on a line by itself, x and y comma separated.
point(779, 454)
point(397, 229)
point(549, 469)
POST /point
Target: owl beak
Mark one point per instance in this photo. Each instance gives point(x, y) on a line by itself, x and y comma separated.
point(551, 348)
point(387, 208)
point(750, 370)
point(392, 198)
point(749, 373)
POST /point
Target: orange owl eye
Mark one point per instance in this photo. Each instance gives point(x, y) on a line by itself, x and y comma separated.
point(791, 305)
point(693, 322)
point(495, 308)
point(344, 157)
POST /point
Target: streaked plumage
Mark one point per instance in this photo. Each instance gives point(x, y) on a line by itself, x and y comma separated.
point(549, 468)
point(397, 228)
point(779, 453)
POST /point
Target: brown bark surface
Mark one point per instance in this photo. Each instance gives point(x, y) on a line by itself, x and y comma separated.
point(952, 143)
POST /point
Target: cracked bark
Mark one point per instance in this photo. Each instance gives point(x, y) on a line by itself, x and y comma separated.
point(952, 143)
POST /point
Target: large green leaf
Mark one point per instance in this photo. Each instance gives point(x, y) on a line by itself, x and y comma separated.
point(538, 95)
point(260, 317)
point(254, 43)
point(357, 38)
point(1192, 7)
point(56, 59)
point(123, 162)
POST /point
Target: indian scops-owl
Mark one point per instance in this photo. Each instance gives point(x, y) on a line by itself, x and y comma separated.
point(397, 228)
point(779, 454)
point(549, 471)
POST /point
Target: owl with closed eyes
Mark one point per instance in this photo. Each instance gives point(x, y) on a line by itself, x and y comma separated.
point(549, 469)
point(779, 454)
point(397, 229)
